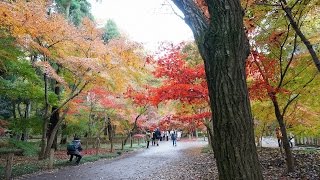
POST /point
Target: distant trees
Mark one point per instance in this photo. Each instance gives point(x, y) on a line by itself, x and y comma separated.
point(75, 10)
point(111, 31)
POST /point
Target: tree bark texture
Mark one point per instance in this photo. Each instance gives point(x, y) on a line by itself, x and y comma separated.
point(45, 120)
point(54, 119)
point(224, 47)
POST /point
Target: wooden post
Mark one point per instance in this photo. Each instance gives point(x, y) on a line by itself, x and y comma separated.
point(122, 144)
point(138, 141)
point(51, 158)
point(9, 164)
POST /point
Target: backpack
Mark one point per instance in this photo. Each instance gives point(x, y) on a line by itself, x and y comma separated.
point(71, 147)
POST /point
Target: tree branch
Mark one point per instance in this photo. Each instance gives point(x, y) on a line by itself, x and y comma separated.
point(295, 26)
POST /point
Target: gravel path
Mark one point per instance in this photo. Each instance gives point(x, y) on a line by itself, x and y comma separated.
point(157, 162)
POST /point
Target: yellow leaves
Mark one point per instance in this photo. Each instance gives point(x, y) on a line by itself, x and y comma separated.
point(80, 51)
point(50, 72)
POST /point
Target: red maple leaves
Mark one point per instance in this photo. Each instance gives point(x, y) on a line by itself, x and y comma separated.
point(262, 75)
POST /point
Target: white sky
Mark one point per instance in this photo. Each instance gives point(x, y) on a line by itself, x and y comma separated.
point(145, 21)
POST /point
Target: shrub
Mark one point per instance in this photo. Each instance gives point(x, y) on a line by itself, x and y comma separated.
point(29, 148)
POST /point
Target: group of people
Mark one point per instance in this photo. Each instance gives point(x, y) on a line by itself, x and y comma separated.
point(74, 148)
point(157, 136)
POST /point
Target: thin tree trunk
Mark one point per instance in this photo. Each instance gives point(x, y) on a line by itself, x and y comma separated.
point(53, 135)
point(285, 141)
point(134, 126)
point(45, 119)
point(210, 134)
point(54, 119)
point(97, 143)
point(25, 135)
point(14, 110)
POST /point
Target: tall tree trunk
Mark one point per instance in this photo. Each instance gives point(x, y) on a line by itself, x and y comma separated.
point(135, 125)
point(25, 135)
point(224, 47)
point(54, 119)
point(14, 112)
point(51, 139)
point(54, 134)
point(210, 133)
point(285, 141)
point(45, 119)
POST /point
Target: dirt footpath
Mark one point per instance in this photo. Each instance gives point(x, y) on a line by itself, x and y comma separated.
point(157, 162)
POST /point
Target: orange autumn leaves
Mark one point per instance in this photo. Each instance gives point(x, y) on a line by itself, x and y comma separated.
point(51, 38)
point(80, 50)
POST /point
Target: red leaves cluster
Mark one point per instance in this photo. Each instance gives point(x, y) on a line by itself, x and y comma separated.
point(197, 118)
point(181, 82)
point(96, 96)
point(263, 75)
point(139, 97)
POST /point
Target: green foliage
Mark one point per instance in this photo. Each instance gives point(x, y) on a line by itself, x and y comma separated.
point(5, 108)
point(193, 56)
point(111, 31)
point(21, 169)
point(77, 125)
point(19, 125)
point(78, 9)
point(8, 52)
point(29, 148)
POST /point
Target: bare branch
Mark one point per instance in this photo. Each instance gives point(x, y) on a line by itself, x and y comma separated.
point(174, 11)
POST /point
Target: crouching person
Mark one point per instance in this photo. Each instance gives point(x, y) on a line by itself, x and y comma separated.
point(74, 149)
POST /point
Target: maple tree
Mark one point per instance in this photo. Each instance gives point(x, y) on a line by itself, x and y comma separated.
point(48, 40)
point(99, 108)
point(140, 104)
point(182, 79)
point(278, 66)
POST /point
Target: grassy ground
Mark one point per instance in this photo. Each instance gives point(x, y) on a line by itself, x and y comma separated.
point(29, 163)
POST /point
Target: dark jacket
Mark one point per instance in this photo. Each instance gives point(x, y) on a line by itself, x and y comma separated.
point(174, 136)
point(158, 134)
point(78, 147)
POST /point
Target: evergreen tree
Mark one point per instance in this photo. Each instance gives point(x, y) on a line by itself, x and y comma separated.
point(111, 31)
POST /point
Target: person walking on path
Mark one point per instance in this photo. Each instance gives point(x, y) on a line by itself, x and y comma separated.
point(148, 137)
point(153, 139)
point(74, 149)
point(174, 138)
point(158, 135)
